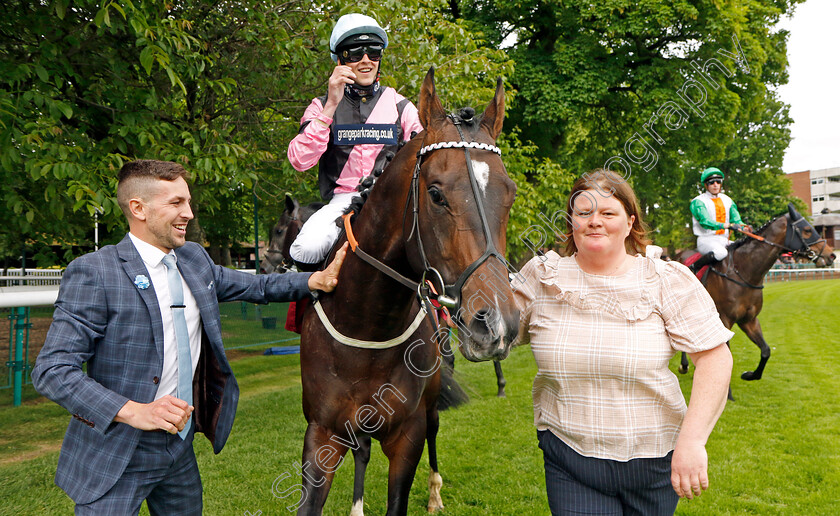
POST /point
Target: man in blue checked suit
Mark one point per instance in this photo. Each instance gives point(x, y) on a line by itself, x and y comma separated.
point(144, 316)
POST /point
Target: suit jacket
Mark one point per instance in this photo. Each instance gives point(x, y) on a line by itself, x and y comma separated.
point(104, 319)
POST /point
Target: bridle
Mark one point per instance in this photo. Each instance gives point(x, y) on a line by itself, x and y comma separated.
point(450, 295)
point(794, 232)
point(795, 242)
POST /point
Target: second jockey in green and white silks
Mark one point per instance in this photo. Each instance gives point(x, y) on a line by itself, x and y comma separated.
point(712, 214)
point(711, 217)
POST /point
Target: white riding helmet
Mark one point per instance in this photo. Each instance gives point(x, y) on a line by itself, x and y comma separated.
point(352, 25)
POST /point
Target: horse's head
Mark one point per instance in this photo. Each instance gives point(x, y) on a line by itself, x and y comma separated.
point(802, 238)
point(461, 199)
point(283, 234)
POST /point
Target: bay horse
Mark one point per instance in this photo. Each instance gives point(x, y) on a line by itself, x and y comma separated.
point(370, 362)
point(293, 217)
point(735, 284)
point(279, 259)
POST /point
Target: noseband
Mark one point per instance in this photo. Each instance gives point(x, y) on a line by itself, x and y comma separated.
point(450, 296)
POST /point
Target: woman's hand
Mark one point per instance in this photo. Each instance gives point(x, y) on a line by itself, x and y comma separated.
point(689, 464)
point(689, 469)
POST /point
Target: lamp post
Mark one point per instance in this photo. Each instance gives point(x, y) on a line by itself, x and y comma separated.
point(96, 213)
point(256, 245)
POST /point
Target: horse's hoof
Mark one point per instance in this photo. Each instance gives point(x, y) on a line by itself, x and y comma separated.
point(358, 508)
point(435, 501)
point(730, 397)
point(682, 370)
point(749, 376)
point(501, 394)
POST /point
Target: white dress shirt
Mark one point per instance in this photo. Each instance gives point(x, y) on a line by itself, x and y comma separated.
point(153, 258)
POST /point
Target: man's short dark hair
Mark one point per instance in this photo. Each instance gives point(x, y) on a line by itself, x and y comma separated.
point(136, 176)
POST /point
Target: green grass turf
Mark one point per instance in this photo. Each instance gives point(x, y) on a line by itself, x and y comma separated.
point(774, 451)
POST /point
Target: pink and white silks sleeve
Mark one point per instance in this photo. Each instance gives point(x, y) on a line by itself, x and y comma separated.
point(410, 121)
point(306, 148)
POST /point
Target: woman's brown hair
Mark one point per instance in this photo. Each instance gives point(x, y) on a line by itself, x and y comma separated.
point(606, 183)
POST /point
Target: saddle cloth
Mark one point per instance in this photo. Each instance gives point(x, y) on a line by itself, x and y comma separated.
point(693, 258)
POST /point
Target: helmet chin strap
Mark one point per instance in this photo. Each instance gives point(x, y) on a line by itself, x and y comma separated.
point(356, 91)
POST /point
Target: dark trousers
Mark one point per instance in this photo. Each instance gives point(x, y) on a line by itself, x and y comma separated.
point(162, 471)
point(585, 485)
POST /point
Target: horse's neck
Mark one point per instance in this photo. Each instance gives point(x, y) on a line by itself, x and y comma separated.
point(379, 232)
point(755, 258)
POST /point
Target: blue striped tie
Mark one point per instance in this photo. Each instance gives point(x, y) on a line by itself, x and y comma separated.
point(176, 292)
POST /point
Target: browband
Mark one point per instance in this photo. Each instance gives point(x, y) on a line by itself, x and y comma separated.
point(459, 145)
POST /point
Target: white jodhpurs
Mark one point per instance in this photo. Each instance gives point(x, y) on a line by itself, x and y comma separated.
point(713, 244)
point(320, 232)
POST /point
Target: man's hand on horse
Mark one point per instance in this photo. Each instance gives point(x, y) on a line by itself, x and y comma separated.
point(327, 279)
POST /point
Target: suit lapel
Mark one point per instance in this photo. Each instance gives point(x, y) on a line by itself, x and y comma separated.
point(200, 284)
point(133, 266)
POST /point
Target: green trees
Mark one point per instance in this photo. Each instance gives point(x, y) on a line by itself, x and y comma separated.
point(217, 86)
point(666, 88)
point(657, 90)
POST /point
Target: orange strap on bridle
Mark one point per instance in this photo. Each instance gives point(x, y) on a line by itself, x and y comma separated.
point(348, 229)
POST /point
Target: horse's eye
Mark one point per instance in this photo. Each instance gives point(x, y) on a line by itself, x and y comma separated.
point(437, 196)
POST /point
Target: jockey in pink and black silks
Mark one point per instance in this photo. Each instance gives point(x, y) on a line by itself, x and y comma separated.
point(712, 214)
point(348, 131)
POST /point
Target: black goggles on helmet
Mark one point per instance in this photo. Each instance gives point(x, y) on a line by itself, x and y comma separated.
point(714, 181)
point(355, 54)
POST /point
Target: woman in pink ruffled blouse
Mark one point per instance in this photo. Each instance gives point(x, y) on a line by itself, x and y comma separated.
point(603, 323)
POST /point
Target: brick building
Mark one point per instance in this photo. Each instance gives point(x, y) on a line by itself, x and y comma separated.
point(820, 189)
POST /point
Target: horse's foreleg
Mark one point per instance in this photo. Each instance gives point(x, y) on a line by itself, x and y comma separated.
point(753, 330)
point(403, 451)
point(500, 379)
point(435, 480)
point(361, 457)
point(321, 458)
point(683, 363)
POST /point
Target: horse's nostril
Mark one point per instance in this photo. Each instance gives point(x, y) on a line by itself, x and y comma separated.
point(488, 318)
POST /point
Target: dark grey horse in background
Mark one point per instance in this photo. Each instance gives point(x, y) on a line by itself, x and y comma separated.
point(294, 216)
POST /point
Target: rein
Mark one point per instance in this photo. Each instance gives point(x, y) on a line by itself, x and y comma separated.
point(793, 229)
point(742, 282)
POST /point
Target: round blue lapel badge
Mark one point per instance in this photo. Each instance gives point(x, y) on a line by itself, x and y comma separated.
point(141, 281)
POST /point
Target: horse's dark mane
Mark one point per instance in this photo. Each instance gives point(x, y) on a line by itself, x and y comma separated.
point(356, 205)
point(744, 239)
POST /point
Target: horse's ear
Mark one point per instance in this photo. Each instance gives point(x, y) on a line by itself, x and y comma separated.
point(429, 106)
point(494, 115)
point(291, 204)
point(794, 215)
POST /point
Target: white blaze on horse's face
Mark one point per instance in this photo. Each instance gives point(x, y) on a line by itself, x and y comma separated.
point(482, 174)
